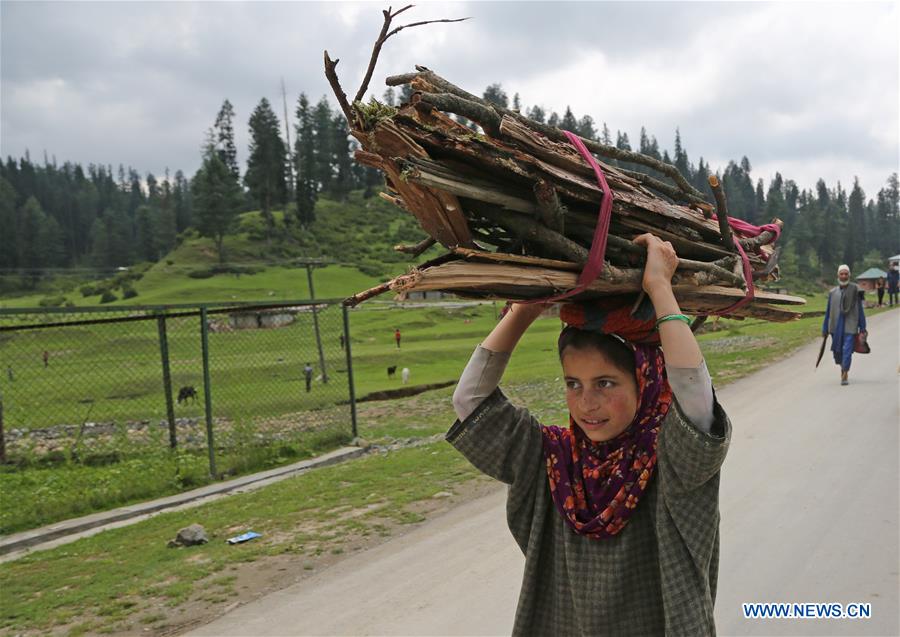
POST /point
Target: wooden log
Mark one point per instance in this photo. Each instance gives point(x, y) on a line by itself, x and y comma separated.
point(518, 282)
point(722, 212)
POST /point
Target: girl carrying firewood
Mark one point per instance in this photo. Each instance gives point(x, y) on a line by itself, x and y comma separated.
point(617, 515)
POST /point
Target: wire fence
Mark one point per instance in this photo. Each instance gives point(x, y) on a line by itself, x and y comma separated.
point(239, 385)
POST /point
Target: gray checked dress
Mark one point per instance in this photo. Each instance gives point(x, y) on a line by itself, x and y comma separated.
point(656, 577)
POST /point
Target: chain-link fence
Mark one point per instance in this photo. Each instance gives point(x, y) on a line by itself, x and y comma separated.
point(237, 385)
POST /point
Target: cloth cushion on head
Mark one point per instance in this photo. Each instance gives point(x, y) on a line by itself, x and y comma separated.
point(612, 315)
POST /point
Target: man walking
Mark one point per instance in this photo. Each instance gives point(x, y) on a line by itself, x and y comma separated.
point(397, 337)
point(893, 283)
point(307, 374)
point(844, 317)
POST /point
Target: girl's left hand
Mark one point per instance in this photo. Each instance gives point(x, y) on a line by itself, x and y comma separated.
point(661, 262)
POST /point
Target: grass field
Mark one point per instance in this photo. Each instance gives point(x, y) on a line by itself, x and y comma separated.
point(250, 383)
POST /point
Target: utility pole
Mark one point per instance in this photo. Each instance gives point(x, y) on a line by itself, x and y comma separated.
point(315, 313)
point(290, 149)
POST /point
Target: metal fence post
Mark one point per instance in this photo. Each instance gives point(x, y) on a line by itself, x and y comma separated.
point(312, 296)
point(349, 369)
point(2, 435)
point(207, 396)
point(167, 378)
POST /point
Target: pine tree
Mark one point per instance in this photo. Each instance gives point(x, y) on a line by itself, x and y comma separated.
point(681, 159)
point(223, 131)
point(759, 203)
point(586, 127)
point(99, 243)
point(181, 197)
point(644, 142)
point(389, 98)
point(776, 207)
point(569, 122)
point(9, 236)
point(622, 141)
point(121, 238)
point(553, 120)
point(324, 155)
point(537, 114)
point(605, 137)
point(305, 161)
point(496, 95)
point(517, 103)
point(166, 226)
point(217, 200)
point(265, 177)
point(145, 234)
point(31, 221)
point(343, 178)
point(855, 248)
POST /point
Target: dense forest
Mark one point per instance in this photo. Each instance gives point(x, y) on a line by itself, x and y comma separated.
point(63, 217)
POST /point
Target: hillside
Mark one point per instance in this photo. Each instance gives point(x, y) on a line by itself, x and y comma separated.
point(355, 237)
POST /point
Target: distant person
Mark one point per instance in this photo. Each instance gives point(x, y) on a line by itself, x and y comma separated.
point(893, 283)
point(307, 374)
point(343, 342)
point(880, 284)
point(46, 358)
point(844, 317)
point(405, 375)
point(397, 337)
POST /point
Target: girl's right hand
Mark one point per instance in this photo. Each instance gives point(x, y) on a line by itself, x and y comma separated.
point(661, 263)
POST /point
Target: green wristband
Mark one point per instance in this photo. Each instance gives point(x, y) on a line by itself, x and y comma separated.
point(673, 317)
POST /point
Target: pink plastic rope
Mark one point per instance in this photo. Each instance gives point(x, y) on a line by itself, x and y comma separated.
point(594, 265)
point(748, 230)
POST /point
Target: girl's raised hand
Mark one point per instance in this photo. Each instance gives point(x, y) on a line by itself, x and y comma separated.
point(661, 262)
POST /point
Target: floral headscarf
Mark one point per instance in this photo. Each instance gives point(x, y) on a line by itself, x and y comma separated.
point(597, 485)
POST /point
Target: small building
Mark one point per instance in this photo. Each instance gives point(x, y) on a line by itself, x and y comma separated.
point(894, 259)
point(867, 279)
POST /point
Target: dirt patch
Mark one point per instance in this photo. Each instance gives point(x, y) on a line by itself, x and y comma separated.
point(404, 392)
point(268, 574)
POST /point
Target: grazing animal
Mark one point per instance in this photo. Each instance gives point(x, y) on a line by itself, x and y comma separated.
point(404, 374)
point(391, 371)
point(187, 392)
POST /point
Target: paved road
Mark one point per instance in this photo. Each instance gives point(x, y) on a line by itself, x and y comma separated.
point(809, 506)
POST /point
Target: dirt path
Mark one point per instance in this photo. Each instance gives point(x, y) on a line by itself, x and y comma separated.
point(809, 514)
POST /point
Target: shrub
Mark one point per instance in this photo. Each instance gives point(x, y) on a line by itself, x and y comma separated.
point(201, 274)
point(88, 290)
point(370, 268)
point(108, 297)
point(52, 301)
point(128, 292)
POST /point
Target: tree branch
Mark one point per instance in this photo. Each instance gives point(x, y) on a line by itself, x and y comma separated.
point(336, 87)
point(382, 38)
point(417, 249)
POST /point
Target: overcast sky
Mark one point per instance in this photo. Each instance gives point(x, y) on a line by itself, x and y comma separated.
point(808, 89)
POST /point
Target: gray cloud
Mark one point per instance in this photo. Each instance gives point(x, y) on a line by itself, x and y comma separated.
point(806, 88)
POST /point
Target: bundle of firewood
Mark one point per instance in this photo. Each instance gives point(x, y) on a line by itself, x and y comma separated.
point(517, 205)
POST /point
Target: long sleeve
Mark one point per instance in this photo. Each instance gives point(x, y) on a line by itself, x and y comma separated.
point(692, 387)
point(827, 313)
point(862, 317)
point(479, 380)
